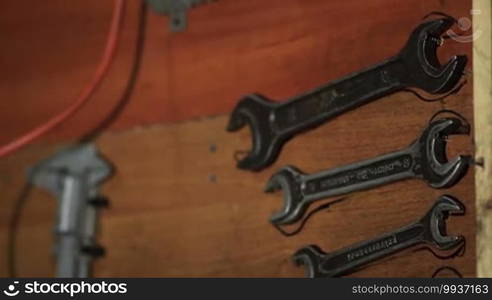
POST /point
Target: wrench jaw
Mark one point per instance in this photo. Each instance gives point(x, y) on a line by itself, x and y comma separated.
point(436, 169)
point(310, 258)
point(422, 67)
point(288, 179)
point(256, 111)
point(435, 223)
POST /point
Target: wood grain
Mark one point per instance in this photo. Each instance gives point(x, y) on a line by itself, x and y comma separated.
point(232, 47)
point(182, 209)
point(482, 70)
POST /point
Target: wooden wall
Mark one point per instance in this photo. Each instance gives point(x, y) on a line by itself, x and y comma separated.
point(482, 89)
point(178, 208)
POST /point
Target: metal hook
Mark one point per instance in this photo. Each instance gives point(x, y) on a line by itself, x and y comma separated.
point(449, 268)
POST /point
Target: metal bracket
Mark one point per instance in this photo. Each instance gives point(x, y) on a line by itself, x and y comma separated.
point(176, 10)
point(74, 177)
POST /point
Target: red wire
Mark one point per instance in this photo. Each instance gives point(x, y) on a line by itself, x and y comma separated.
point(87, 92)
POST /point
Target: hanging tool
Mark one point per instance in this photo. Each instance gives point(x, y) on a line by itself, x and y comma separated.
point(416, 66)
point(429, 230)
point(424, 159)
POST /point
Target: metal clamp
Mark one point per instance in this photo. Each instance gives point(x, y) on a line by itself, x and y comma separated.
point(176, 10)
point(74, 177)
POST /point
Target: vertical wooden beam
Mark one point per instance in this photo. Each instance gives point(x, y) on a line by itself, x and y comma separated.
point(482, 78)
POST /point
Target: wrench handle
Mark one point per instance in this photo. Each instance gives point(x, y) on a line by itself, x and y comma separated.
point(328, 101)
point(348, 259)
point(359, 176)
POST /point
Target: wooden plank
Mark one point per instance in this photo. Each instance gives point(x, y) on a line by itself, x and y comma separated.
point(232, 47)
point(482, 76)
point(180, 208)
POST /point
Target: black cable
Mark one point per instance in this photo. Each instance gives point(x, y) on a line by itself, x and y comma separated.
point(452, 112)
point(439, 14)
point(308, 216)
point(466, 124)
point(90, 136)
point(459, 252)
point(449, 268)
point(125, 98)
point(455, 90)
point(13, 228)
point(460, 85)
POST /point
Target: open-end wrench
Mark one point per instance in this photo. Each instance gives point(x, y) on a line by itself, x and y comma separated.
point(430, 230)
point(417, 66)
point(424, 159)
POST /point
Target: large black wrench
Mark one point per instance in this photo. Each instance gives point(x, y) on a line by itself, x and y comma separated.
point(430, 230)
point(424, 159)
point(417, 65)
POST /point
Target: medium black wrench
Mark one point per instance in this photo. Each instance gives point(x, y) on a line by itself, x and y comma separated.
point(430, 230)
point(424, 159)
point(417, 65)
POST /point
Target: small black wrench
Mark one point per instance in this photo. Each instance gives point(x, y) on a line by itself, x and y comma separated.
point(424, 159)
point(417, 65)
point(431, 230)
